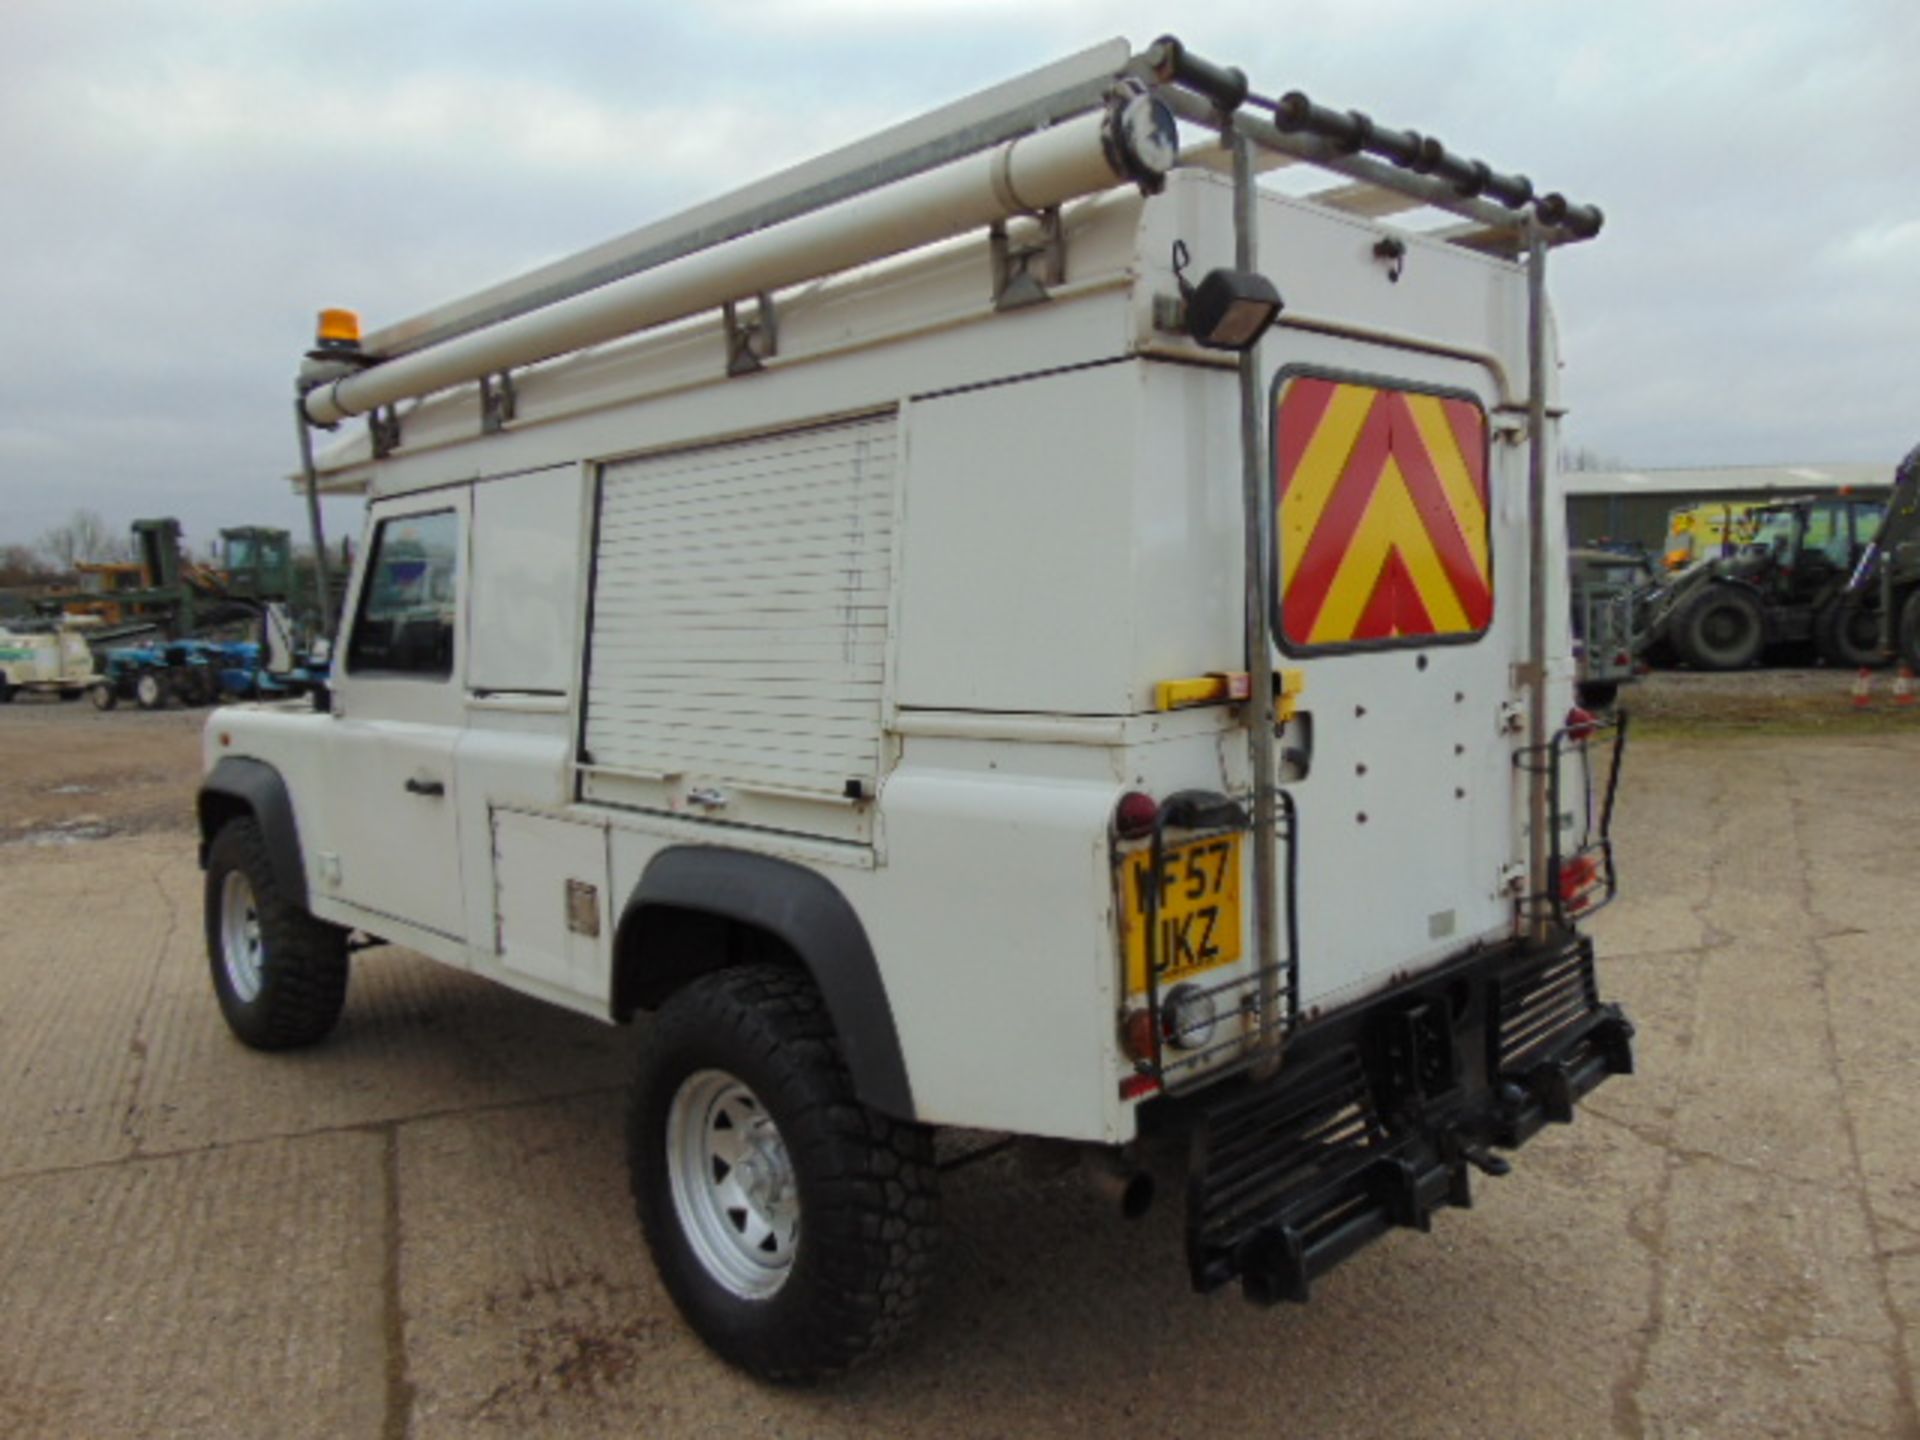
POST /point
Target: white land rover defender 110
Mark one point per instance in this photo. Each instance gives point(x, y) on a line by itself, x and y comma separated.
point(1012, 625)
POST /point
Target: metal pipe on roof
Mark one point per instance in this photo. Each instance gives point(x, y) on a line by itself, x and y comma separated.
point(1073, 86)
point(1084, 156)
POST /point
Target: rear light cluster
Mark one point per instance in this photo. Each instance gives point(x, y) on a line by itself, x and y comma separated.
point(1135, 815)
point(1577, 880)
point(1188, 1018)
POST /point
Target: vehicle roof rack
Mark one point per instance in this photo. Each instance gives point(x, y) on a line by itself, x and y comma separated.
point(1387, 171)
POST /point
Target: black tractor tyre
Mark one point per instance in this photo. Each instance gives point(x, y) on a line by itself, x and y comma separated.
point(1906, 635)
point(279, 973)
point(1848, 637)
point(1721, 629)
point(104, 695)
point(150, 690)
point(6, 691)
point(856, 1192)
point(196, 686)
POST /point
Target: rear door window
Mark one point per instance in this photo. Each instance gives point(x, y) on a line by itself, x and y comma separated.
point(1382, 514)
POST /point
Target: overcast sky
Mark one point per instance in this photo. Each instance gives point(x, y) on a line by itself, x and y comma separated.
point(183, 183)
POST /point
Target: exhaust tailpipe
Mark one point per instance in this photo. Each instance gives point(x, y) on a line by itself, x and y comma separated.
point(1117, 1181)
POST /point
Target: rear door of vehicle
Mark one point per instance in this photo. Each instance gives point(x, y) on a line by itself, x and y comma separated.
point(1400, 540)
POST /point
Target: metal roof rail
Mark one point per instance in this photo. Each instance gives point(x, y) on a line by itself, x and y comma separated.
point(1377, 157)
point(1042, 97)
point(1418, 168)
point(1392, 170)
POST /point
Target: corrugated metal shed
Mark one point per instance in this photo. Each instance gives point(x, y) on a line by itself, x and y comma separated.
point(1632, 505)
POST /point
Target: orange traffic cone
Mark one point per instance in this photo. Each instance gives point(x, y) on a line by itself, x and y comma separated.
point(1903, 686)
point(1863, 689)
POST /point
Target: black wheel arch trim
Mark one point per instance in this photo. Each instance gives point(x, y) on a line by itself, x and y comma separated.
point(260, 788)
point(807, 912)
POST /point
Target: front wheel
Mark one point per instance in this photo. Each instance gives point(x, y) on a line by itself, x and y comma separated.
point(104, 695)
point(793, 1226)
point(1722, 629)
point(280, 974)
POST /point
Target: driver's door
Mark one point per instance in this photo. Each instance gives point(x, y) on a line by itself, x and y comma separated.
point(397, 715)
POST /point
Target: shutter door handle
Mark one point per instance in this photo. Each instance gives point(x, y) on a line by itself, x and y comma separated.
point(425, 787)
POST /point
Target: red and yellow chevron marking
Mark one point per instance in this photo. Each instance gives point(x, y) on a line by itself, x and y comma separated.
point(1383, 514)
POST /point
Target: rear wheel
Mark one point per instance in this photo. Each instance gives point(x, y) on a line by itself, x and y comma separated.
point(793, 1226)
point(6, 691)
point(1721, 630)
point(150, 690)
point(1848, 636)
point(280, 974)
point(1906, 638)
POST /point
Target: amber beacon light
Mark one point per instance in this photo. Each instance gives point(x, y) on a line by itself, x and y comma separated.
point(338, 330)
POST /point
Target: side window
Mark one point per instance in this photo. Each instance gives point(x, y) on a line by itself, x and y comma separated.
point(405, 622)
point(1866, 524)
point(1827, 532)
point(1383, 516)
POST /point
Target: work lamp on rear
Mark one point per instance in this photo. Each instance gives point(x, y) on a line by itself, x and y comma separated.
point(1231, 309)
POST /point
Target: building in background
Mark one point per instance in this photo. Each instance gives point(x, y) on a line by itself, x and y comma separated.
point(1631, 506)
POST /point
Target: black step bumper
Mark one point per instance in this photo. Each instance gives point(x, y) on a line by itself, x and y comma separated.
point(1381, 1112)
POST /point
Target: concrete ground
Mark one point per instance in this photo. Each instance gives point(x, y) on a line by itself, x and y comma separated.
point(421, 1228)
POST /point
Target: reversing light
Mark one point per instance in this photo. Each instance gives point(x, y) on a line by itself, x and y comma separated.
point(1231, 309)
point(1135, 815)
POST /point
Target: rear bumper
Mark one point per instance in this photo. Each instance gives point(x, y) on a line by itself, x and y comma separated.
point(1381, 1112)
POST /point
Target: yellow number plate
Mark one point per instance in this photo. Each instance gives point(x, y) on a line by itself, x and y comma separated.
point(1199, 910)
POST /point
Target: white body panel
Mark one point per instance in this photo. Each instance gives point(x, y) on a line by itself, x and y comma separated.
point(1043, 523)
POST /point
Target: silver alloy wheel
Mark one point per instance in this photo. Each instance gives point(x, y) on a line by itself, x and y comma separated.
point(733, 1184)
point(241, 948)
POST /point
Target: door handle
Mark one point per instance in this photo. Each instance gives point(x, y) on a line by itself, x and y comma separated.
point(425, 787)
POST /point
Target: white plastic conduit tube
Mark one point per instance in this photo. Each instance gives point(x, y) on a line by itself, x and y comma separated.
point(1034, 172)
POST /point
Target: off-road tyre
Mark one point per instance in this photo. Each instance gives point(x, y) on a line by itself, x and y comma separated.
point(6, 692)
point(298, 964)
point(1721, 629)
point(1848, 637)
point(103, 695)
point(150, 690)
point(866, 1184)
point(1906, 635)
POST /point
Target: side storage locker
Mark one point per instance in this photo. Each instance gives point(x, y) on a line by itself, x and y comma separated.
point(737, 645)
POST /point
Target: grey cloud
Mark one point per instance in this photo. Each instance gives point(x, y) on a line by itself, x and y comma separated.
point(1751, 299)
